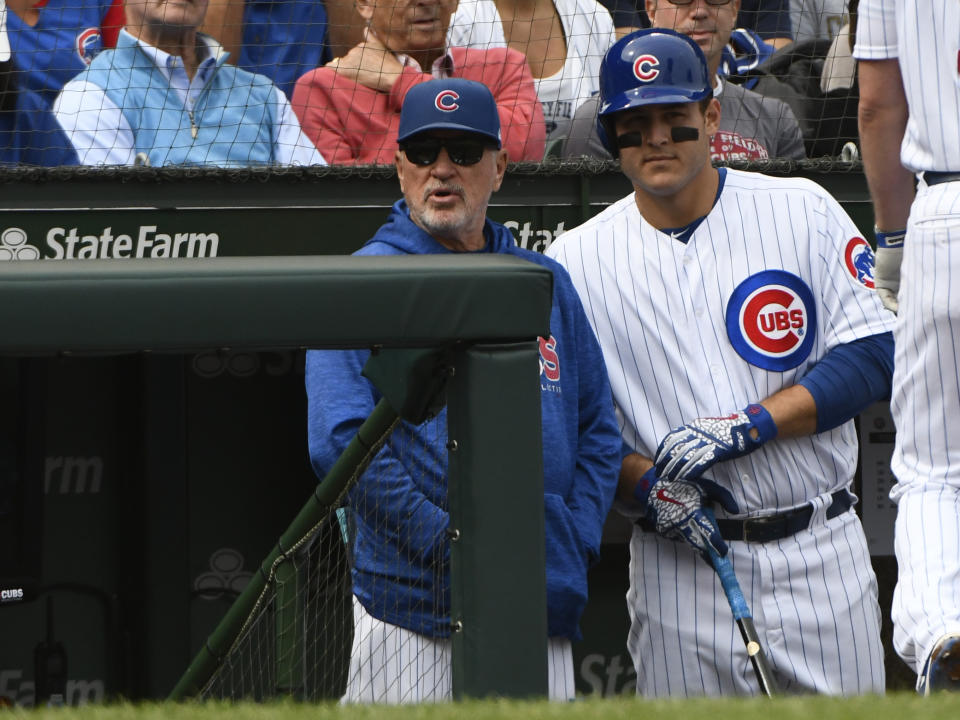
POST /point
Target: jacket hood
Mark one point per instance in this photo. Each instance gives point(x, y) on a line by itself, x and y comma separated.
point(404, 236)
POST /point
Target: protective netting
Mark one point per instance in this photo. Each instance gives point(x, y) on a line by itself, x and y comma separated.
point(103, 82)
point(306, 624)
point(297, 641)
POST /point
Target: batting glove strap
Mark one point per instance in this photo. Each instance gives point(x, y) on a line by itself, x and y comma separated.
point(676, 510)
point(690, 450)
point(762, 420)
point(892, 239)
point(641, 492)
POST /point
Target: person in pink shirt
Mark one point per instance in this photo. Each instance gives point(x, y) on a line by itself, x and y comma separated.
point(350, 108)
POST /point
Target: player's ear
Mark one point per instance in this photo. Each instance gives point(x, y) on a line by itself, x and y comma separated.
point(398, 163)
point(501, 168)
point(711, 117)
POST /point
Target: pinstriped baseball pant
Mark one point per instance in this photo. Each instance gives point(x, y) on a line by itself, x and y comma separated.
point(813, 597)
point(925, 405)
point(389, 664)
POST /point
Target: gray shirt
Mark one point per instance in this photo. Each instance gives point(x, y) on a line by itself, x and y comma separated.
point(752, 127)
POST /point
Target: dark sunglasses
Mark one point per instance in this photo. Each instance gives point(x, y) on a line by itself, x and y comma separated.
point(709, 2)
point(462, 151)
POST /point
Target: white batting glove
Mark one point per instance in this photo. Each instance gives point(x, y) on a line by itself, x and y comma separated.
point(886, 272)
point(690, 450)
point(676, 510)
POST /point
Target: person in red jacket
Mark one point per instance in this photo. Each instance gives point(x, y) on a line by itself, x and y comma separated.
point(350, 108)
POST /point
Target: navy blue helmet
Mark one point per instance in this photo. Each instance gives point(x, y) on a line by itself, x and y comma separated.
point(655, 66)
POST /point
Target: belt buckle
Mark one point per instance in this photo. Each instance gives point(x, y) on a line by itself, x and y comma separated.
point(759, 529)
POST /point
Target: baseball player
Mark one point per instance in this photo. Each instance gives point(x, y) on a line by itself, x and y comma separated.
point(909, 53)
point(449, 162)
point(741, 335)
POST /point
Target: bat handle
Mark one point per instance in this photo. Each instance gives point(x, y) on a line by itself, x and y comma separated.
point(741, 613)
point(731, 587)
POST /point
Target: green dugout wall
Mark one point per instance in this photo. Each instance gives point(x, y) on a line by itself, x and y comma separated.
point(140, 565)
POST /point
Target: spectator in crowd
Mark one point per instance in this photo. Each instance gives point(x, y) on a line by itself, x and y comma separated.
point(165, 96)
point(768, 19)
point(563, 40)
point(449, 163)
point(344, 26)
point(8, 97)
point(50, 42)
point(752, 127)
point(839, 66)
point(281, 39)
point(350, 108)
point(818, 19)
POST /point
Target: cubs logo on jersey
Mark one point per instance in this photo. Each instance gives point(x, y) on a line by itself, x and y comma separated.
point(88, 44)
point(859, 259)
point(771, 320)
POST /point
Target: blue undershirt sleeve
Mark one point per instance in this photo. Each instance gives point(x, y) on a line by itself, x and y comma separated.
point(849, 378)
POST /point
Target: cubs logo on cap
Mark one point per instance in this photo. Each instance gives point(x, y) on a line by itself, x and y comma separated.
point(860, 260)
point(772, 320)
point(446, 100)
point(449, 104)
point(646, 68)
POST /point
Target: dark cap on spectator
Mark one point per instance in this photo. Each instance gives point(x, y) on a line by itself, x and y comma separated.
point(449, 104)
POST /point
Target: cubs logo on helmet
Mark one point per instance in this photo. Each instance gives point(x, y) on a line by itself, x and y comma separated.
point(771, 320)
point(88, 44)
point(859, 259)
point(645, 68)
point(447, 100)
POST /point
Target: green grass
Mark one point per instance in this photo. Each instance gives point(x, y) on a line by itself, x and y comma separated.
point(894, 706)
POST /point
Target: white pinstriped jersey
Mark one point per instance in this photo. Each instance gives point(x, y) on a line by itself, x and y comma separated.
point(773, 277)
point(659, 308)
point(925, 36)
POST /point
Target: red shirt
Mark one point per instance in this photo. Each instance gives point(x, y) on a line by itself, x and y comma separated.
point(353, 124)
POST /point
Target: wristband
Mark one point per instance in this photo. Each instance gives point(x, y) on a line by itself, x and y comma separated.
point(642, 491)
point(762, 421)
point(892, 239)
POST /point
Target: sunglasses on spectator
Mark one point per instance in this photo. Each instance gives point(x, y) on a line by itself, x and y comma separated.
point(709, 2)
point(462, 151)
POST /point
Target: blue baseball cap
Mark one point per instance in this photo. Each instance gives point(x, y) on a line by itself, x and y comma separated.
point(449, 104)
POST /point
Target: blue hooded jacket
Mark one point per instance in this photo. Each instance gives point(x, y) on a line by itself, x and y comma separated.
point(401, 553)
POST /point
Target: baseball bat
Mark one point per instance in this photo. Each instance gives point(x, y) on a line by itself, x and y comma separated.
point(744, 618)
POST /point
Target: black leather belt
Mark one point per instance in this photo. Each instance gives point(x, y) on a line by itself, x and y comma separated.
point(773, 527)
point(935, 178)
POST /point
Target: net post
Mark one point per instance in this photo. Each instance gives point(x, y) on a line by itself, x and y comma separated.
point(289, 635)
point(498, 580)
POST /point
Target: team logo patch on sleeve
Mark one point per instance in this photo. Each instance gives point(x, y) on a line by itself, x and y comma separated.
point(771, 320)
point(860, 261)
